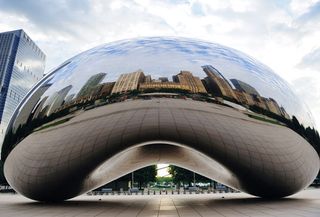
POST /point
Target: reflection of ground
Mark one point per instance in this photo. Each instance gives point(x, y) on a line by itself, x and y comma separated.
point(305, 203)
point(155, 103)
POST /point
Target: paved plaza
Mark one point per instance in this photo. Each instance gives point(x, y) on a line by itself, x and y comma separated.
point(305, 203)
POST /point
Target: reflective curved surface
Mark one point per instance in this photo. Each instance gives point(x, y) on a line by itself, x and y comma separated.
point(128, 104)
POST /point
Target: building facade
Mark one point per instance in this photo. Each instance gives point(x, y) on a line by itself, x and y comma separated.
point(22, 64)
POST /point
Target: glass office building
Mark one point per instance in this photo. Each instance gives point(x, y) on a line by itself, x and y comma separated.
point(22, 64)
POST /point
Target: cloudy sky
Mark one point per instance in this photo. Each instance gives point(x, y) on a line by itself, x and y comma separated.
point(283, 34)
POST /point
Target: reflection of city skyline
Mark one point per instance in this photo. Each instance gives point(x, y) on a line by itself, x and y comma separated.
point(184, 82)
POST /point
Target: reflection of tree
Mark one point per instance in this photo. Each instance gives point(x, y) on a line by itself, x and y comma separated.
point(133, 85)
point(12, 138)
point(244, 94)
point(310, 134)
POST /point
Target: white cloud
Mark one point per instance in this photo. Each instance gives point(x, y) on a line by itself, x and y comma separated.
point(282, 34)
point(300, 7)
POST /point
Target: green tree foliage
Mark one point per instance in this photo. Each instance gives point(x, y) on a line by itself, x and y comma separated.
point(164, 179)
point(145, 175)
point(141, 177)
point(184, 176)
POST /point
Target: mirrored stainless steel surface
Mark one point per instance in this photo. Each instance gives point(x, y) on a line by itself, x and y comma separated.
point(128, 104)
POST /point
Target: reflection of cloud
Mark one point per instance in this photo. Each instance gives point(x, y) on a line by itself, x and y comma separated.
point(164, 57)
point(309, 93)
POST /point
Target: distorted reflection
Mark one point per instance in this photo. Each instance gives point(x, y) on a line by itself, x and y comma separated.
point(128, 104)
point(45, 110)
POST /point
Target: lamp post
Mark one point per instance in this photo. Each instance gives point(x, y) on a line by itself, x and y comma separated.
point(132, 179)
point(194, 179)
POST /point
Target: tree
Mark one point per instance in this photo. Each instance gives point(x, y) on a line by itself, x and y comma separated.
point(145, 175)
point(181, 175)
point(142, 176)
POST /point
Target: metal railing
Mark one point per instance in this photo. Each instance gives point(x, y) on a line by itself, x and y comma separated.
point(163, 192)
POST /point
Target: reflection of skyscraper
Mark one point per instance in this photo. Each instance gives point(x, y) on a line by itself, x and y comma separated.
point(273, 106)
point(244, 98)
point(284, 113)
point(90, 84)
point(244, 87)
point(217, 83)
point(147, 79)
point(128, 82)
point(163, 79)
point(107, 88)
point(34, 99)
point(57, 100)
point(260, 102)
point(21, 66)
point(103, 89)
point(39, 108)
point(69, 98)
point(194, 83)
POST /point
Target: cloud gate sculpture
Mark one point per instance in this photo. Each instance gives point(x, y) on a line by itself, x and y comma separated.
point(133, 103)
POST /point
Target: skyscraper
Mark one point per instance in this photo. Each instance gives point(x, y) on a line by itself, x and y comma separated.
point(22, 64)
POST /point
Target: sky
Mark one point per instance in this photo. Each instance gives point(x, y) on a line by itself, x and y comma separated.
point(283, 34)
